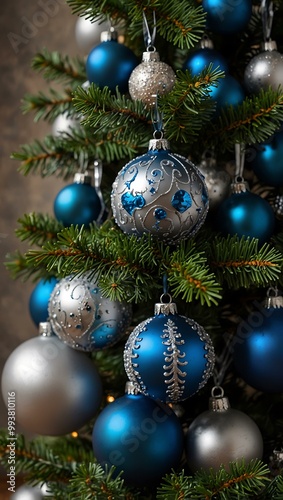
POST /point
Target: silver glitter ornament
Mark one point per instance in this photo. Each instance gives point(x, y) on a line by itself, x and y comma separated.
point(168, 356)
point(151, 78)
point(57, 389)
point(221, 435)
point(82, 318)
point(160, 193)
point(265, 69)
point(217, 182)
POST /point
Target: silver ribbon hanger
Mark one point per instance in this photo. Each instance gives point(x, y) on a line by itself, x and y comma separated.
point(240, 153)
point(267, 14)
point(149, 37)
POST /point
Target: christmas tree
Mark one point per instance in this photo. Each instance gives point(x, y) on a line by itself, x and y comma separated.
point(157, 371)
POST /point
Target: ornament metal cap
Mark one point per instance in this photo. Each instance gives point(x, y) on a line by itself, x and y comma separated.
point(82, 178)
point(206, 43)
point(158, 144)
point(150, 56)
point(239, 186)
point(165, 307)
point(110, 35)
point(220, 402)
point(45, 330)
point(269, 45)
point(131, 388)
point(275, 301)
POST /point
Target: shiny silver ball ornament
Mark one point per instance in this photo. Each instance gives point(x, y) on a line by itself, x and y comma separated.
point(64, 123)
point(221, 435)
point(88, 33)
point(264, 70)
point(160, 193)
point(151, 78)
point(82, 318)
point(56, 389)
point(27, 492)
point(217, 181)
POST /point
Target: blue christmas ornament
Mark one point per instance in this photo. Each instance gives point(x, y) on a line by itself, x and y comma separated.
point(110, 64)
point(39, 298)
point(140, 436)
point(267, 162)
point(246, 214)
point(200, 59)
point(79, 203)
point(258, 347)
point(168, 356)
point(160, 193)
point(226, 17)
point(228, 92)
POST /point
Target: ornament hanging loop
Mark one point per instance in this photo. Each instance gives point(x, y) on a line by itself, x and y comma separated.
point(149, 37)
point(157, 121)
point(240, 161)
point(267, 14)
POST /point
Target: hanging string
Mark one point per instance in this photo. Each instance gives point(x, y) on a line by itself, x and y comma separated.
point(240, 161)
point(267, 14)
point(157, 120)
point(149, 37)
point(97, 177)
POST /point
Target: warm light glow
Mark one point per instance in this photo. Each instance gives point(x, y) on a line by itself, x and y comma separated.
point(110, 399)
point(74, 434)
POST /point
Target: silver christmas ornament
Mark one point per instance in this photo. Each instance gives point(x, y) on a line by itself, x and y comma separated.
point(57, 389)
point(27, 492)
point(64, 123)
point(160, 193)
point(88, 33)
point(217, 182)
point(221, 435)
point(151, 78)
point(265, 69)
point(82, 318)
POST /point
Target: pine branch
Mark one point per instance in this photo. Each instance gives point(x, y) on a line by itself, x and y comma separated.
point(38, 228)
point(20, 268)
point(180, 23)
point(49, 107)
point(176, 486)
point(240, 263)
point(60, 68)
point(251, 122)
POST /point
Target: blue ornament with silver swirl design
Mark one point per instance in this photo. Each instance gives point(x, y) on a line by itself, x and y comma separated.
point(82, 318)
point(39, 298)
point(110, 63)
point(160, 193)
point(140, 436)
point(245, 214)
point(227, 17)
point(258, 347)
point(168, 356)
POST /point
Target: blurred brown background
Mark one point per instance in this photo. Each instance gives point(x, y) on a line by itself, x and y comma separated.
point(25, 29)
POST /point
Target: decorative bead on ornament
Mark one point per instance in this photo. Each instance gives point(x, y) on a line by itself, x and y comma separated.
point(161, 193)
point(226, 17)
point(39, 298)
point(265, 69)
point(142, 437)
point(246, 214)
point(168, 356)
point(257, 346)
point(151, 78)
point(80, 203)
point(199, 59)
point(267, 161)
point(110, 63)
point(58, 389)
point(217, 181)
point(221, 435)
point(82, 318)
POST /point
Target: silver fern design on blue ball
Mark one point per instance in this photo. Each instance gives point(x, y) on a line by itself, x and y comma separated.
point(168, 356)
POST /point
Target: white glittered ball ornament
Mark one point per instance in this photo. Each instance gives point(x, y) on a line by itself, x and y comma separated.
point(265, 69)
point(82, 318)
point(150, 78)
point(160, 193)
point(57, 390)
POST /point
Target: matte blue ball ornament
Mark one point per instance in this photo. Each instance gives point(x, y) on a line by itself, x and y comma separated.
point(258, 347)
point(140, 436)
point(110, 63)
point(226, 17)
point(245, 214)
point(200, 59)
point(79, 203)
point(168, 356)
point(267, 162)
point(160, 193)
point(39, 298)
point(82, 318)
point(228, 92)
